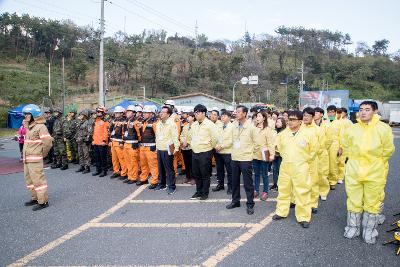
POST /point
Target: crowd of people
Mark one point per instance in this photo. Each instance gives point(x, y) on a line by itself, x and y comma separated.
point(307, 152)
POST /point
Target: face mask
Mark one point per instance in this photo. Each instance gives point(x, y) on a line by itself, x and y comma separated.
point(331, 118)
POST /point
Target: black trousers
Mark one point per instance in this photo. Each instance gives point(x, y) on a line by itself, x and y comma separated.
point(224, 163)
point(166, 173)
point(201, 164)
point(187, 158)
point(100, 155)
point(246, 169)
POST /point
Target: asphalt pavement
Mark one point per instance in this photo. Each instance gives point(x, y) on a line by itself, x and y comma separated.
point(100, 221)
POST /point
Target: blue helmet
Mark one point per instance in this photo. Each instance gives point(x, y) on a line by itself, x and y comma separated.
point(32, 109)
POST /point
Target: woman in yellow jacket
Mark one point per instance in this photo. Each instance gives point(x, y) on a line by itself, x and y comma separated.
point(368, 146)
point(263, 154)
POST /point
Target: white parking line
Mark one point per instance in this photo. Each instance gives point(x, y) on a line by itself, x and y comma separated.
point(37, 253)
point(173, 225)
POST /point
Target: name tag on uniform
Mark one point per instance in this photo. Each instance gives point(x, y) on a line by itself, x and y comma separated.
point(126, 134)
point(302, 143)
point(236, 144)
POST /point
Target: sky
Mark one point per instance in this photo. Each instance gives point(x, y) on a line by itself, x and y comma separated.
point(365, 20)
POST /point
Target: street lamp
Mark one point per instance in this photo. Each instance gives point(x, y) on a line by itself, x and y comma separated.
point(244, 80)
point(285, 83)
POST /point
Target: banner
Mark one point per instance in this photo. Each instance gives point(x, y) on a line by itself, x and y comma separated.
point(323, 99)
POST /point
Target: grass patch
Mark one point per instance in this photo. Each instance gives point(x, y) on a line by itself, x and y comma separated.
point(6, 132)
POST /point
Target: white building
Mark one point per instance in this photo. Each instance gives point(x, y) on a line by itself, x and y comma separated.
point(200, 98)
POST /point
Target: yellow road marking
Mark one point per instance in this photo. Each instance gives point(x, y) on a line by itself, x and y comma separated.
point(35, 254)
point(238, 242)
point(173, 225)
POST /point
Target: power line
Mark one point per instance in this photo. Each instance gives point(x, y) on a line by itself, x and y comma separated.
point(56, 9)
point(161, 15)
point(140, 16)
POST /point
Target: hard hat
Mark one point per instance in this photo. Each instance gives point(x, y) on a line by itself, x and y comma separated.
point(148, 109)
point(101, 109)
point(169, 102)
point(85, 112)
point(131, 108)
point(139, 109)
point(32, 109)
point(119, 109)
point(187, 110)
point(58, 110)
point(93, 111)
point(72, 111)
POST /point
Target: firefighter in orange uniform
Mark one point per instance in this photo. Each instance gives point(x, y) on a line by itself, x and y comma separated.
point(117, 144)
point(100, 142)
point(131, 145)
point(148, 153)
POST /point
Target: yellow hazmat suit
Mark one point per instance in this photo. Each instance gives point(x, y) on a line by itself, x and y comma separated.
point(297, 151)
point(318, 138)
point(323, 160)
point(345, 123)
point(334, 133)
point(368, 147)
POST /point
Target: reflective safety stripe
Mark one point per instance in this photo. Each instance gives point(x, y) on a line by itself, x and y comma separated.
point(116, 140)
point(131, 141)
point(41, 187)
point(45, 135)
point(148, 144)
point(38, 141)
point(33, 157)
point(30, 186)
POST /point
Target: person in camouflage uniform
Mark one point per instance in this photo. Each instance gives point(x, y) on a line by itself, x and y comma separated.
point(70, 126)
point(60, 155)
point(83, 139)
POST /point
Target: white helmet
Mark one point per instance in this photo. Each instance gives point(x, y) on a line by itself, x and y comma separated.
point(139, 109)
point(119, 109)
point(187, 109)
point(169, 102)
point(131, 108)
point(148, 109)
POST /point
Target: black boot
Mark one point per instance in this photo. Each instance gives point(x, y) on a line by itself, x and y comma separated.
point(219, 187)
point(64, 167)
point(87, 170)
point(104, 173)
point(97, 172)
point(31, 203)
point(40, 206)
point(81, 169)
point(55, 166)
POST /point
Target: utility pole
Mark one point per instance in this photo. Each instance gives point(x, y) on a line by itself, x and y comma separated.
point(302, 82)
point(63, 85)
point(101, 67)
point(144, 93)
point(106, 87)
point(196, 28)
point(49, 81)
point(302, 76)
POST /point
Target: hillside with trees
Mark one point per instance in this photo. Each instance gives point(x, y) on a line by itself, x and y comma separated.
point(168, 64)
